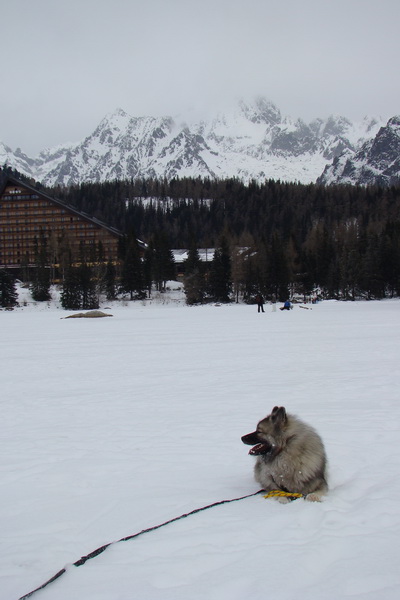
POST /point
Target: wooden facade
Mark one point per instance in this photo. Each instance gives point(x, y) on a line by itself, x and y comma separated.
point(30, 220)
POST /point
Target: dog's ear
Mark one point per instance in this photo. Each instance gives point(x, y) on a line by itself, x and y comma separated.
point(279, 415)
point(274, 410)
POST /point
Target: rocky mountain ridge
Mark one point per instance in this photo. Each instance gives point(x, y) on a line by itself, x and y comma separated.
point(376, 162)
point(251, 140)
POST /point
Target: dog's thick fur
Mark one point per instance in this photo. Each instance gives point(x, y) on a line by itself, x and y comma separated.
point(290, 455)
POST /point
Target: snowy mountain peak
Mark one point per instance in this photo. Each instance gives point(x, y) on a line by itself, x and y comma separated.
point(249, 140)
point(394, 122)
point(261, 111)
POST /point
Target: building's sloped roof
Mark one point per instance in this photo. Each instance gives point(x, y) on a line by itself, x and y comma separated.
point(6, 179)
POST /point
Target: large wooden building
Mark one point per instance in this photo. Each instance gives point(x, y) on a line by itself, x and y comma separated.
point(31, 220)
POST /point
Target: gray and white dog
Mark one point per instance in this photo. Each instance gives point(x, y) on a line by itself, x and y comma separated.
point(290, 456)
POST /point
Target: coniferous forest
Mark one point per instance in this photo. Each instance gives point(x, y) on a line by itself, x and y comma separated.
point(279, 238)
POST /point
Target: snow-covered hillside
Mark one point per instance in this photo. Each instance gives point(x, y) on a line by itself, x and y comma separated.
point(110, 426)
point(252, 140)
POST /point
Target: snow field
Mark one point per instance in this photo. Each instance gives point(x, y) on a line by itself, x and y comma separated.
point(110, 426)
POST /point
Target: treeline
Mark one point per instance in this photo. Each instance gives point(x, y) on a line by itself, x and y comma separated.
point(202, 209)
point(276, 238)
point(284, 238)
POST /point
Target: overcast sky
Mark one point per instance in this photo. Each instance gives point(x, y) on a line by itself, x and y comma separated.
point(65, 64)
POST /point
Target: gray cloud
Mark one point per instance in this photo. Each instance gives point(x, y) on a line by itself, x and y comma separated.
point(66, 64)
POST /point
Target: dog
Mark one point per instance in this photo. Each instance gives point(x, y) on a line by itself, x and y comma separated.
point(290, 456)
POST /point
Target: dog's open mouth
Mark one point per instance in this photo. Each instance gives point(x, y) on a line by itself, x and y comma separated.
point(260, 449)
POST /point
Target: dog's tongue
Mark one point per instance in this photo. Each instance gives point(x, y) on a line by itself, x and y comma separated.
point(260, 449)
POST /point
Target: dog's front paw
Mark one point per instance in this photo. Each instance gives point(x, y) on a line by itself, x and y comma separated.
point(315, 497)
point(283, 499)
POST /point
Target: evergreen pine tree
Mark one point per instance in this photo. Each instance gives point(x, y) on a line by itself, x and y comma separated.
point(373, 282)
point(87, 287)
point(219, 283)
point(132, 281)
point(163, 263)
point(194, 281)
point(193, 262)
point(109, 281)
point(8, 290)
point(40, 287)
point(79, 289)
point(390, 257)
point(71, 293)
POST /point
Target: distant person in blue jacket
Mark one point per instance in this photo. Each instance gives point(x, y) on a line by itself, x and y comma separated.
point(286, 306)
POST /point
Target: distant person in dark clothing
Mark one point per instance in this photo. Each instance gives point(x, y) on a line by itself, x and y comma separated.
point(286, 306)
point(260, 303)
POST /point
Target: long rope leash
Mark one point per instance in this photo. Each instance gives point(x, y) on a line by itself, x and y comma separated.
point(101, 549)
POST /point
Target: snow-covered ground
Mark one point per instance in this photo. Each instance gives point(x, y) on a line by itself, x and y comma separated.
point(109, 426)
